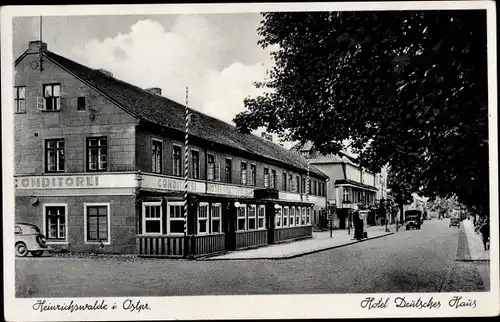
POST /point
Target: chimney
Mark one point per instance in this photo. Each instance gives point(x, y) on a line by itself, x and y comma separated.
point(154, 90)
point(34, 46)
point(105, 72)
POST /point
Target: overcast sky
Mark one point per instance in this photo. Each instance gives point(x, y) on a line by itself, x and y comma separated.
point(215, 55)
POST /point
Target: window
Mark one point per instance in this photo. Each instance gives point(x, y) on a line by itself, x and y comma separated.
point(80, 103)
point(297, 216)
point(309, 188)
point(20, 99)
point(308, 216)
point(176, 159)
point(273, 179)
point(152, 218)
point(315, 188)
point(253, 174)
point(277, 218)
point(203, 219)
point(283, 183)
point(303, 185)
point(242, 217)
point(345, 195)
point(261, 221)
point(157, 152)
point(266, 177)
point(195, 164)
point(97, 223)
point(54, 155)
point(290, 181)
point(51, 95)
point(303, 217)
point(55, 222)
point(297, 184)
point(97, 152)
point(251, 217)
point(176, 218)
point(285, 216)
point(243, 173)
point(292, 216)
point(18, 230)
point(229, 170)
point(216, 213)
point(211, 167)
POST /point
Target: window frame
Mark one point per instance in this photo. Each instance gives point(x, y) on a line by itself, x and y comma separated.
point(179, 168)
point(46, 154)
point(57, 98)
point(18, 100)
point(228, 178)
point(291, 221)
point(45, 232)
point(193, 152)
point(253, 174)
point(254, 217)
point(243, 173)
point(80, 99)
point(206, 219)
point(308, 216)
point(238, 217)
point(85, 219)
point(278, 218)
point(154, 156)
point(144, 219)
point(267, 179)
point(169, 219)
point(285, 215)
point(263, 217)
point(219, 218)
point(297, 216)
point(210, 166)
point(87, 150)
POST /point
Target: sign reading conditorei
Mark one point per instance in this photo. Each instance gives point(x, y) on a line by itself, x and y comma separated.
point(126, 180)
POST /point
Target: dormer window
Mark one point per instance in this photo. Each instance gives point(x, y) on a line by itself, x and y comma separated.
point(51, 100)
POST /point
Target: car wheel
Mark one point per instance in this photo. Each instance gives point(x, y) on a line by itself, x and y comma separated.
point(37, 253)
point(21, 250)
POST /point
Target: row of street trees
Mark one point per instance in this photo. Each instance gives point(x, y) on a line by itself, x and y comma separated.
point(408, 89)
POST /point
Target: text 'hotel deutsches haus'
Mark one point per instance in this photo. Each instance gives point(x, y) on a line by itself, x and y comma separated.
point(99, 167)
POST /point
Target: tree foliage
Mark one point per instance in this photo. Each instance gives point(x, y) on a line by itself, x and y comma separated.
point(407, 88)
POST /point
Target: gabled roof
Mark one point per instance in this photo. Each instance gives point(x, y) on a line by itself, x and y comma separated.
point(314, 157)
point(168, 113)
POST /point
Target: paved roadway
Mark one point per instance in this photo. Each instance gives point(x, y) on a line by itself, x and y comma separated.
point(408, 261)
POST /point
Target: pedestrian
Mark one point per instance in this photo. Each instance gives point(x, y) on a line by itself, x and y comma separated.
point(485, 231)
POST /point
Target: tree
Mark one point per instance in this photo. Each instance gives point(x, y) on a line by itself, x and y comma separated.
point(406, 88)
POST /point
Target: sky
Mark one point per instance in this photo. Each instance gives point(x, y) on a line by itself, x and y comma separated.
point(215, 55)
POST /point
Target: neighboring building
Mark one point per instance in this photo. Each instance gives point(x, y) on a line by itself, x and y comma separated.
point(349, 187)
point(99, 167)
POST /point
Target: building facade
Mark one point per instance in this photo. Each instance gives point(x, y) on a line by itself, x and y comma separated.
point(349, 187)
point(99, 167)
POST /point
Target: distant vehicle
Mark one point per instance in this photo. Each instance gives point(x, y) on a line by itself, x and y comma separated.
point(413, 219)
point(29, 239)
point(455, 221)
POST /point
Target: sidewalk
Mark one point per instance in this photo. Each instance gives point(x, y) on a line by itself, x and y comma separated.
point(475, 242)
point(319, 242)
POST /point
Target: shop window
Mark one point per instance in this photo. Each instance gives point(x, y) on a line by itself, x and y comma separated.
point(157, 152)
point(20, 99)
point(345, 195)
point(243, 173)
point(308, 216)
point(176, 218)
point(261, 221)
point(195, 164)
point(229, 170)
point(152, 218)
point(277, 218)
point(303, 217)
point(252, 217)
point(97, 223)
point(241, 217)
point(292, 217)
point(203, 219)
point(176, 160)
point(51, 100)
point(55, 222)
point(297, 216)
point(97, 154)
point(54, 155)
point(216, 215)
point(285, 216)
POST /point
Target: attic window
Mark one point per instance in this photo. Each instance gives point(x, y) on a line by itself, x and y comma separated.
point(80, 103)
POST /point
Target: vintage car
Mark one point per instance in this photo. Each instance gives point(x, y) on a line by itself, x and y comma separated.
point(413, 219)
point(29, 239)
point(455, 221)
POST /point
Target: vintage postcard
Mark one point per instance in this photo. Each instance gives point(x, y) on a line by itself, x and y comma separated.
point(248, 161)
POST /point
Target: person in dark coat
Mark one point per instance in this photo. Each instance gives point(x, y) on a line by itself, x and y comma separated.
point(485, 231)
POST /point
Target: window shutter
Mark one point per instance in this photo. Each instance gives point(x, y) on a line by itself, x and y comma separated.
point(217, 171)
point(40, 103)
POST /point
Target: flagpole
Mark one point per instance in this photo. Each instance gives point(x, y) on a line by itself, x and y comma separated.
point(41, 44)
point(186, 166)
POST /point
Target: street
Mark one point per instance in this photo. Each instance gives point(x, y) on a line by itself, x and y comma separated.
point(407, 261)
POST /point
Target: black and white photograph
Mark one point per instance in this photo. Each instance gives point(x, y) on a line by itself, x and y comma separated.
point(194, 161)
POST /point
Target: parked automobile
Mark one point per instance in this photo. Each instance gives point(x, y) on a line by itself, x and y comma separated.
point(455, 221)
point(29, 239)
point(413, 219)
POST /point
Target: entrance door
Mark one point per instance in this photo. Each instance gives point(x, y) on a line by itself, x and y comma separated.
point(229, 216)
point(270, 212)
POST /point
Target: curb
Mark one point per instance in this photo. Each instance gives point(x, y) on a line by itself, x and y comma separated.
point(296, 255)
